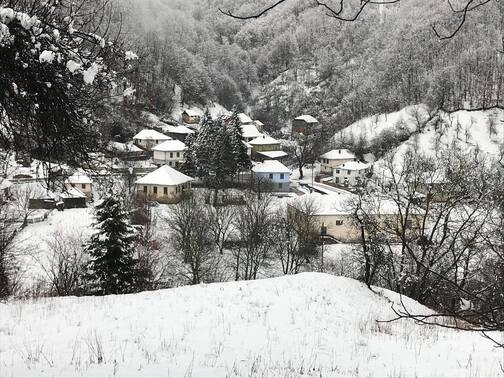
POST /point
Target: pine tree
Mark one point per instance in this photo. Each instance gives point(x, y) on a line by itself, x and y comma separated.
point(241, 157)
point(112, 267)
point(189, 166)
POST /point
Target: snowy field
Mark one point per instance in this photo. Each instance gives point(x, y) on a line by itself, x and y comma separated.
point(304, 325)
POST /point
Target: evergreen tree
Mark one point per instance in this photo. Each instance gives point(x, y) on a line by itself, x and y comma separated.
point(189, 166)
point(239, 149)
point(112, 267)
point(205, 148)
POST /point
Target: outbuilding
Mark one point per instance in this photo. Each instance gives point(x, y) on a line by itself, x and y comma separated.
point(148, 139)
point(274, 175)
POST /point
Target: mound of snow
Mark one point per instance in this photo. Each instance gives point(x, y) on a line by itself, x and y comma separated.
point(309, 324)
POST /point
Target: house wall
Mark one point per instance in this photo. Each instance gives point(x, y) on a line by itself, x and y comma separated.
point(266, 147)
point(87, 189)
point(327, 165)
point(279, 184)
point(172, 158)
point(301, 127)
point(341, 175)
point(173, 193)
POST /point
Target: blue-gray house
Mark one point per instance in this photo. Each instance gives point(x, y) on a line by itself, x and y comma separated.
point(274, 172)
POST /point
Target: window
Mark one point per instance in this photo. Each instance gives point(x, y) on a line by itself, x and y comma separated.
point(337, 171)
point(83, 186)
point(178, 154)
point(154, 189)
point(271, 176)
point(339, 223)
point(336, 180)
point(282, 176)
point(169, 163)
point(280, 186)
point(145, 189)
point(165, 191)
point(171, 155)
point(349, 172)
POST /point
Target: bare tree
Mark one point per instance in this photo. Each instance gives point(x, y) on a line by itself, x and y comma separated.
point(296, 238)
point(220, 224)
point(65, 263)
point(192, 240)
point(253, 223)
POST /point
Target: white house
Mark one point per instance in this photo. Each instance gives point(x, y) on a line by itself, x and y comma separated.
point(335, 158)
point(274, 173)
point(170, 152)
point(352, 173)
point(82, 182)
point(147, 139)
point(165, 185)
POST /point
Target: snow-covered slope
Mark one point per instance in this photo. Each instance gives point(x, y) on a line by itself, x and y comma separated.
point(481, 131)
point(304, 325)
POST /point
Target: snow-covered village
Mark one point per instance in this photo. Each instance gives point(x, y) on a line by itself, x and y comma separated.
point(226, 188)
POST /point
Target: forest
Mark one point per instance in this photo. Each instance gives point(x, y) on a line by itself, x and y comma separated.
point(296, 60)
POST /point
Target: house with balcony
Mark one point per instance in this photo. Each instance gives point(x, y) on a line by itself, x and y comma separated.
point(305, 124)
point(266, 148)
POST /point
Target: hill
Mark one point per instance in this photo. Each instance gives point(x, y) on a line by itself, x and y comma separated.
point(304, 325)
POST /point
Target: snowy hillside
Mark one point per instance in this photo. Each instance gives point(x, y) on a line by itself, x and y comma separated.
point(304, 325)
point(471, 131)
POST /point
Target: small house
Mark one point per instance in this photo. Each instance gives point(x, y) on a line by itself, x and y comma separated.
point(82, 182)
point(148, 139)
point(266, 148)
point(274, 174)
point(352, 173)
point(170, 152)
point(178, 132)
point(73, 198)
point(164, 185)
point(192, 116)
point(305, 124)
point(334, 159)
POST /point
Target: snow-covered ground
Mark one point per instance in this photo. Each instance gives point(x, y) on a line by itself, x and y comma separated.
point(33, 242)
point(304, 325)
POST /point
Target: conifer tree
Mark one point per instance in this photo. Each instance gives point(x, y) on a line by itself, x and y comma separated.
point(189, 166)
point(239, 148)
point(112, 267)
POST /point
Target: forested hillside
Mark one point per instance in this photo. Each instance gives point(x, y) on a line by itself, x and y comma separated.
point(296, 60)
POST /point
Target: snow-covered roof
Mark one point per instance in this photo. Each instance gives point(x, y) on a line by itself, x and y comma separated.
point(245, 119)
point(354, 166)
point(5, 184)
point(170, 145)
point(273, 154)
point(258, 123)
point(164, 176)
point(177, 129)
point(339, 155)
point(148, 134)
point(123, 147)
point(263, 140)
point(250, 131)
point(72, 193)
point(307, 118)
point(193, 112)
point(270, 166)
point(79, 178)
